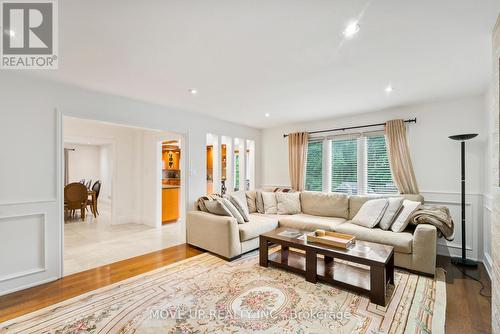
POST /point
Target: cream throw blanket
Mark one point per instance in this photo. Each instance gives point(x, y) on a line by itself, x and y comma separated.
point(438, 216)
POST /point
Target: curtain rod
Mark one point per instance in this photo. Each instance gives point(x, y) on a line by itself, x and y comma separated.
point(413, 120)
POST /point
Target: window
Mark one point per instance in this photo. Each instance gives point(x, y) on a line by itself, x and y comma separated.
point(345, 166)
point(351, 165)
point(379, 179)
point(314, 166)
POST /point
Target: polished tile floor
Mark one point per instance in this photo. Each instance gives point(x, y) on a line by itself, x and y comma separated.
point(97, 242)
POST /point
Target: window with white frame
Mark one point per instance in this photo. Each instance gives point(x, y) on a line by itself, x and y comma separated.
point(352, 164)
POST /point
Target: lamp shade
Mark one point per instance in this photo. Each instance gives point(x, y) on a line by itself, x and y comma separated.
point(464, 136)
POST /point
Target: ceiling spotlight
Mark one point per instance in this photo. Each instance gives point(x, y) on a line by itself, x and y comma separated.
point(267, 114)
point(193, 91)
point(388, 89)
point(11, 33)
point(351, 29)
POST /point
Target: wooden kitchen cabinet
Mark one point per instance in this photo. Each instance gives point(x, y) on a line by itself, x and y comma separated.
point(170, 204)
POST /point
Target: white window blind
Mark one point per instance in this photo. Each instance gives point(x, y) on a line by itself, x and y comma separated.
point(378, 171)
point(314, 166)
point(344, 173)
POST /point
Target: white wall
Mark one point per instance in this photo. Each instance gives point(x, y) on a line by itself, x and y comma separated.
point(84, 162)
point(33, 196)
point(436, 158)
point(106, 176)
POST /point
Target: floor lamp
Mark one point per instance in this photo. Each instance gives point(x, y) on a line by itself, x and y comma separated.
point(463, 261)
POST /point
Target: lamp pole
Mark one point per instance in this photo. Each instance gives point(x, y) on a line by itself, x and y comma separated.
point(463, 261)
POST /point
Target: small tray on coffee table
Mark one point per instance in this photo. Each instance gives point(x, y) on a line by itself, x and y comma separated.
point(335, 239)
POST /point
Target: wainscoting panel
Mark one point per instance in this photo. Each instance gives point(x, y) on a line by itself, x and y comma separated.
point(474, 223)
point(487, 233)
point(30, 244)
point(29, 247)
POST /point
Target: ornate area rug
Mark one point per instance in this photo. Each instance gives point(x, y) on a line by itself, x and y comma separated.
point(205, 294)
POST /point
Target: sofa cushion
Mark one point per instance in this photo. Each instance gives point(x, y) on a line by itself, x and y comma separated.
point(324, 204)
point(251, 201)
point(356, 201)
point(270, 203)
point(259, 201)
point(307, 222)
point(223, 207)
point(403, 219)
point(371, 212)
point(393, 209)
point(257, 225)
point(288, 203)
point(239, 200)
point(402, 242)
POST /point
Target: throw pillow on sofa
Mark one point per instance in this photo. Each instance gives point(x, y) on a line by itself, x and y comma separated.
point(394, 207)
point(270, 203)
point(251, 201)
point(403, 219)
point(371, 212)
point(288, 203)
point(200, 202)
point(223, 207)
point(259, 202)
point(239, 200)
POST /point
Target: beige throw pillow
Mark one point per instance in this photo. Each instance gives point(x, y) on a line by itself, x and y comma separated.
point(223, 207)
point(239, 200)
point(259, 202)
point(394, 207)
point(403, 219)
point(251, 201)
point(371, 212)
point(270, 203)
point(288, 203)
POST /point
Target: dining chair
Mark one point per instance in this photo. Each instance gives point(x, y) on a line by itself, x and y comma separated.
point(89, 183)
point(75, 198)
point(97, 189)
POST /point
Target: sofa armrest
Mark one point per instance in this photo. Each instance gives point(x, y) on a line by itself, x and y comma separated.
point(217, 234)
point(424, 249)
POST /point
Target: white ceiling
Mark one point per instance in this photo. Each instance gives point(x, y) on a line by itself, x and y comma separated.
point(283, 57)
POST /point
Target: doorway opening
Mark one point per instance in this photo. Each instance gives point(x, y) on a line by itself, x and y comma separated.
point(124, 193)
point(171, 181)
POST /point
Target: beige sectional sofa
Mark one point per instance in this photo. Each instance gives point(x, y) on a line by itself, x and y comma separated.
point(415, 248)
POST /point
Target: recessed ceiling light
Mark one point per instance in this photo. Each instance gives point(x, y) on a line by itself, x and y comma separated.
point(193, 91)
point(388, 89)
point(351, 29)
point(267, 114)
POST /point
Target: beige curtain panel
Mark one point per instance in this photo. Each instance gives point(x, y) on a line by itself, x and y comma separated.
point(297, 154)
point(399, 157)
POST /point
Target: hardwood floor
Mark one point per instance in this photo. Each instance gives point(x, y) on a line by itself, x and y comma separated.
point(29, 300)
point(467, 311)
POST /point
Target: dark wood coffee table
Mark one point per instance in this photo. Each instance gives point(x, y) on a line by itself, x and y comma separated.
point(371, 281)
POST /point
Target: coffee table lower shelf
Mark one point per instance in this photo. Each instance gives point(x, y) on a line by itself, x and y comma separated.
point(344, 275)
